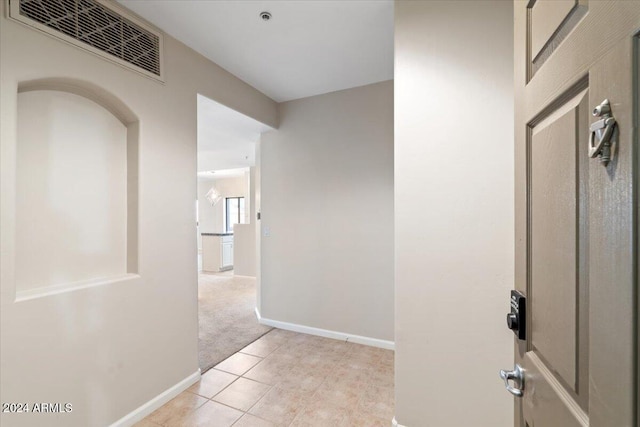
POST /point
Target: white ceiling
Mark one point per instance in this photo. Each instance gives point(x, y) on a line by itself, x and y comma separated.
point(226, 138)
point(222, 174)
point(309, 47)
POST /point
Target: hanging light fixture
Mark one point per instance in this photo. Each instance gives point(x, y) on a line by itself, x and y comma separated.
point(213, 196)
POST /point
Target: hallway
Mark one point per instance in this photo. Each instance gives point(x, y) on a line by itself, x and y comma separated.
point(289, 379)
point(362, 168)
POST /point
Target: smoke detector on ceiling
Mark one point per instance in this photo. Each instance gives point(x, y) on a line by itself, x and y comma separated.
point(265, 16)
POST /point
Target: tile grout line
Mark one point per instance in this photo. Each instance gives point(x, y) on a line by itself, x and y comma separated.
point(323, 367)
point(344, 355)
point(271, 387)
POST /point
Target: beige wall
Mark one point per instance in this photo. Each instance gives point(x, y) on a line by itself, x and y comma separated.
point(257, 208)
point(454, 211)
point(109, 349)
point(244, 250)
point(326, 197)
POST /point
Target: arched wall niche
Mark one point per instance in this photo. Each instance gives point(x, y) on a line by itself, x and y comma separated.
point(76, 188)
point(84, 89)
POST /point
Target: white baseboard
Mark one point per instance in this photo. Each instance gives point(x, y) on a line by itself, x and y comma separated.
point(138, 414)
point(394, 423)
point(374, 342)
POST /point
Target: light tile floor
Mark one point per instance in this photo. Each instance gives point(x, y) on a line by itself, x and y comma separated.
point(289, 379)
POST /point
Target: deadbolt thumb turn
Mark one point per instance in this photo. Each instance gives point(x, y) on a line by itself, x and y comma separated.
point(517, 376)
point(601, 133)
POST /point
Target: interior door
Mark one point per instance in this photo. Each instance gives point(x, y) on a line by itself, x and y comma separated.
point(576, 212)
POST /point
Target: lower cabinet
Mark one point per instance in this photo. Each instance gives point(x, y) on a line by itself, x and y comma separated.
point(227, 253)
point(217, 252)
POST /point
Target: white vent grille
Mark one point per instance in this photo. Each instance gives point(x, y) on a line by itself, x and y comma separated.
point(94, 24)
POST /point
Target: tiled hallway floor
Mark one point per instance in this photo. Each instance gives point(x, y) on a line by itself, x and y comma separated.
point(289, 379)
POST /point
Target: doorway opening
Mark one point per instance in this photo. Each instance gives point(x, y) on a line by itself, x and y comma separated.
point(226, 231)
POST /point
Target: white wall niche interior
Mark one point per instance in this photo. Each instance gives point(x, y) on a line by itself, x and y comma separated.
point(76, 192)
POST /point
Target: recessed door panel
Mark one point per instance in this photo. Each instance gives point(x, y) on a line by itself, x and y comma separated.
point(546, 17)
point(558, 284)
point(554, 205)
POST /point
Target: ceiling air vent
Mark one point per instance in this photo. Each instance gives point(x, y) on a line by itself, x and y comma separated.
point(96, 26)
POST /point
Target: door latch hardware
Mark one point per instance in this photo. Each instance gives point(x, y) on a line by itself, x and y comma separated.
point(602, 131)
point(517, 317)
point(517, 376)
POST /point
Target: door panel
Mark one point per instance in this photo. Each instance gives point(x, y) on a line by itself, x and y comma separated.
point(554, 260)
point(551, 403)
point(549, 23)
point(546, 18)
point(557, 355)
point(576, 218)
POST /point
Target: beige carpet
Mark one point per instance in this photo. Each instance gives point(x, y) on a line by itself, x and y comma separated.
point(227, 316)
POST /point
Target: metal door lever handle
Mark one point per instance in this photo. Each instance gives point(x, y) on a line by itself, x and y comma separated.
point(517, 376)
point(601, 132)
